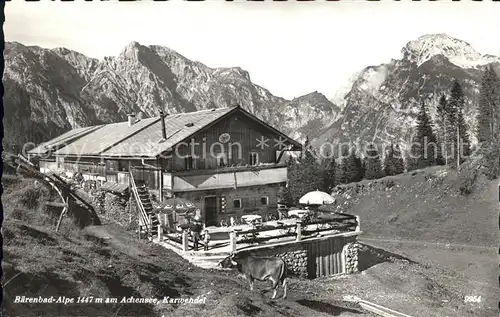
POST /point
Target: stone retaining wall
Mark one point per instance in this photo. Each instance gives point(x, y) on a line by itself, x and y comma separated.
point(295, 255)
point(351, 257)
point(118, 208)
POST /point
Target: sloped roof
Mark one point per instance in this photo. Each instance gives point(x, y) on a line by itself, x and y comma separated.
point(105, 137)
point(148, 142)
point(144, 138)
point(62, 140)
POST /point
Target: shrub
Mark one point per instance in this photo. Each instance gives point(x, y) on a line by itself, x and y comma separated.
point(468, 178)
point(31, 196)
point(469, 173)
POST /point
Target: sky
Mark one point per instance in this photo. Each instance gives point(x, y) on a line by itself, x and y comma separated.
point(290, 48)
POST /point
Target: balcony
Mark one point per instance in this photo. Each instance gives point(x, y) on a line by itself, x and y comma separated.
point(229, 177)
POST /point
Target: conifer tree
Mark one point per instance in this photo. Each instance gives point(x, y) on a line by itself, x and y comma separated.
point(360, 167)
point(393, 162)
point(349, 169)
point(424, 146)
point(285, 193)
point(488, 130)
point(389, 162)
point(307, 147)
point(284, 196)
point(329, 169)
point(294, 175)
point(442, 128)
point(341, 174)
point(304, 175)
point(399, 164)
point(373, 164)
point(489, 106)
point(455, 113)
point(311, 173)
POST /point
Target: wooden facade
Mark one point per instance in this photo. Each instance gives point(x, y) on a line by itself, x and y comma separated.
point(326, 257)
point(222, 204)
point(227, 167)
point(208, 153)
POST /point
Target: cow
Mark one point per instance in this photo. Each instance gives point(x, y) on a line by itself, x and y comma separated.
point(259, 268)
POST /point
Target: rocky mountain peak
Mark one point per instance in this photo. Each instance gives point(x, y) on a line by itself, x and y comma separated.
point(53, 90)
point(312, 95)
point(131, 51)
point(234, 73)
point(380, 103)
point(458, 52)
point(49, 91)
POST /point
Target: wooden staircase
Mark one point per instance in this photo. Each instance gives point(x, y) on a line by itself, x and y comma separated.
point(148, 218)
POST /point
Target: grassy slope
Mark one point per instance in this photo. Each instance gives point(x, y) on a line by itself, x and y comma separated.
point(425, 205)
point(107, 261)
point(416, 214)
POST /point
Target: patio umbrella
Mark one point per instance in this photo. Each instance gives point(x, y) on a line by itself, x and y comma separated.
point(316, 198)
point(179, 205)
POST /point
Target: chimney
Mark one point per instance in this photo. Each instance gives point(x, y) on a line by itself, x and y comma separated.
point(163, 130)
point(131, 119)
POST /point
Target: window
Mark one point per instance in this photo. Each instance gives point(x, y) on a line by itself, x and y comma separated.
point(123, 165)
point(237, 203)
point(188, 163)
point(264, 200)
point(254, 158)
point(113, 166)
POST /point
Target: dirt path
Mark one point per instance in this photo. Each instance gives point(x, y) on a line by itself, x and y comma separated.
point(119, 240)
point(317, 297)
point(226, 298)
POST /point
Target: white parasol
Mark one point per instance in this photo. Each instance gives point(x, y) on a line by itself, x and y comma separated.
point(317, 198)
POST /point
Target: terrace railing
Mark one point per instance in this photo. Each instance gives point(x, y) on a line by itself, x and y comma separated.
point(240, 239)
point(338, 222)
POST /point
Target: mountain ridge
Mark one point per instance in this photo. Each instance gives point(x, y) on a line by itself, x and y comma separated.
point(53, 90)
point(49, 91)
point(382, 101)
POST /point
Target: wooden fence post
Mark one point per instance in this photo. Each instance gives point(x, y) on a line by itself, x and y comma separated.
point(160, 233)
point(130, 208)
point(232, 240)
point(185, 245)
point(139, 221)
point(299, 231)
point(358, 227)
